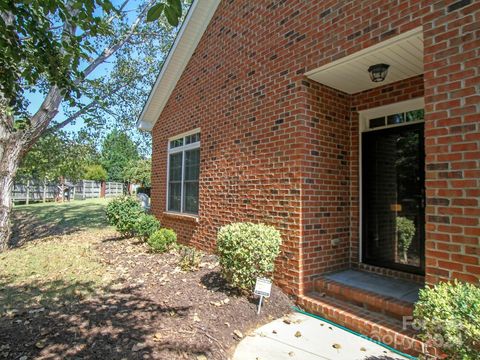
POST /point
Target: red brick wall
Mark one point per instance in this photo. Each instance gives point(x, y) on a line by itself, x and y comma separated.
point(452, 132)
point(263, 124)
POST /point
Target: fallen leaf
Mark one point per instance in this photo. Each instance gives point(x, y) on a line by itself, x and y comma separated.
point(40, 344)
point(337, 346)
point(298, 334)
point(238, 334)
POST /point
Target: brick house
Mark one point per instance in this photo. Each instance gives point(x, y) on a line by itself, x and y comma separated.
point(266, 111)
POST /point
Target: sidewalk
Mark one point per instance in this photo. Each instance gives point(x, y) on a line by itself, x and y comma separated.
point(301, 337)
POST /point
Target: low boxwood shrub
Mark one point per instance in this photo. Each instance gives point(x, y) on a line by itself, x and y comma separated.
point(162, 240)
point(247, 251)
point(123, 213)
point(145, 226)
point(449, 317)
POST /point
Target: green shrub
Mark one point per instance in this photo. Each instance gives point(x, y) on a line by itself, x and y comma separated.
point(247, 251)
point(145, 226)
point(123, 213)
point(406, 232)
point(189, 258)
point(162, 240)
point(449, 315)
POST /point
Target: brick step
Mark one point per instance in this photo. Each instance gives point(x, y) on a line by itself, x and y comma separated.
point(363, 298)
point(369, 323)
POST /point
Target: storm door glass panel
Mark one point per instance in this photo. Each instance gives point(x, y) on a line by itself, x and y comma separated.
point(192, 171)
point(393, 197)
point(175, 182)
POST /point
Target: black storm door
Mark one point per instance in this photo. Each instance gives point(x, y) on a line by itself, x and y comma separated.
point(393, 198)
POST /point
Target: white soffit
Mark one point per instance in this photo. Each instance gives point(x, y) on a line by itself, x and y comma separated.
point(197, 20)
point(404, 54)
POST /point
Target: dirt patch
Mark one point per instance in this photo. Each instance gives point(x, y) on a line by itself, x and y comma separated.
point(150, 310)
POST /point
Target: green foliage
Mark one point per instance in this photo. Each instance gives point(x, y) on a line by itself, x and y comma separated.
point(139, 172)
point(95, 172)
point(172, 10)
point(46, 43)
point(247, 251)
point(450, 317)
point(35, 49)
point(162, 240)
point(406, 232)
point(55, 155)
point(145, 226)
point(118, 152)
point(123, 213)
point(189, 258)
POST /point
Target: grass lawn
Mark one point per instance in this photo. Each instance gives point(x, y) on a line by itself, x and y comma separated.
point(47, 269)
point(77, 214)
point(41, 272)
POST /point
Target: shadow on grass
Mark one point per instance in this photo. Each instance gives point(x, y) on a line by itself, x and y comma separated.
point(116, 323)
point(37, 221)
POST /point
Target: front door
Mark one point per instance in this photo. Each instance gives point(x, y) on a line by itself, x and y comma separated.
point(393, 197)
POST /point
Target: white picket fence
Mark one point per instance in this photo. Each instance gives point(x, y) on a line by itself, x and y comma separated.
point(36, 190)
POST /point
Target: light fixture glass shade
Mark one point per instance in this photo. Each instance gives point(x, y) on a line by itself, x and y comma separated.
point(378, 72)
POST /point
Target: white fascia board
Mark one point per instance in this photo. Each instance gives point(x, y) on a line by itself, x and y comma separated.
point(195, 24)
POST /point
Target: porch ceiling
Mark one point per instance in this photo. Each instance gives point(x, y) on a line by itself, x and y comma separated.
point(404, 54)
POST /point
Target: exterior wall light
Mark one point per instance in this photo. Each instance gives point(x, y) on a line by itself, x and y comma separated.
point(378, 72)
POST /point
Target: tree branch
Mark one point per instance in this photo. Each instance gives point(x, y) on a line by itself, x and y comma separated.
point(106, 53)
point(89, 106)
point(73, 116)
point(49, 108)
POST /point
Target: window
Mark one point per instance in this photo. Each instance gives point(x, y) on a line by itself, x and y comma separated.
point(183, 173)
point(396, 119)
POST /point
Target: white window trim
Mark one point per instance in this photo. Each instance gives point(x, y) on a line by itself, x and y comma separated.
point(399, 107)
point(175, 150)
point(363, 117)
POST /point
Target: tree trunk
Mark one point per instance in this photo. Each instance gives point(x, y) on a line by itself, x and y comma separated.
point(10, 155)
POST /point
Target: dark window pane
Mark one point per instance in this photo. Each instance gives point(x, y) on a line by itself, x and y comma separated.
point(377, 122)
point(190, 139)
point(176, 143)
point(192, 164)
point(190, 204)
point(175, 173)
point(415, 115)
point(395, 119)
point(174, 196)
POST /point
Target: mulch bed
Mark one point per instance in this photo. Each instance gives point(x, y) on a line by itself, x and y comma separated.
point(150, 310)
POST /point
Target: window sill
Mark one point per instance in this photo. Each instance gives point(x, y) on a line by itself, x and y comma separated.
point(181, 216)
